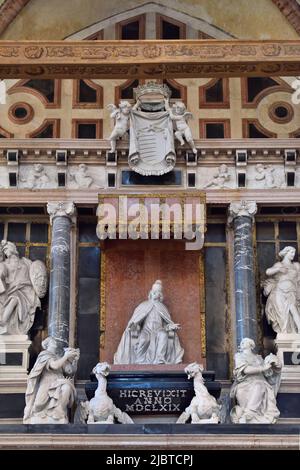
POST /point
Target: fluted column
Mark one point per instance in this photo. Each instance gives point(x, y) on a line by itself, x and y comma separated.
point(59, 288)
point(242, 216)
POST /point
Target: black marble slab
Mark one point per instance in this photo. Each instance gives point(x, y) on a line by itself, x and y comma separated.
point(212, 429)
point(289, 405)
point(159, 392)
point(12, 359)
point(12, 405)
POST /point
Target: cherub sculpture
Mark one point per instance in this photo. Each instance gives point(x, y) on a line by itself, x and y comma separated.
point(37, 177)
point(81, 177)
point(203, 408)
point(180, 116)
point(121, 117)
point(219, 178)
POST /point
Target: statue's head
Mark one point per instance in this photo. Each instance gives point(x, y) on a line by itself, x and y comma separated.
point(82, 168)
point(102, 368)
point(50, 344)
point(38, 167)
point(223, 168)
point(125, 107)
point(194, 369)
point(179, 107)
point(288, 252)
point(156, 291)
point(9, 248)
point(259, 167)
point(247, 344)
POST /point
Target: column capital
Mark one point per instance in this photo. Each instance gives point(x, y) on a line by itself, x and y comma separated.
point(242, 209)
point(60, 209)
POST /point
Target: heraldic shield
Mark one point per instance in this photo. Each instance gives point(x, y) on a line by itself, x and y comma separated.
point(151, 149)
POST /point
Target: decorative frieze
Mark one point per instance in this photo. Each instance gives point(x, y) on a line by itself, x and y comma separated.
point(158, 59)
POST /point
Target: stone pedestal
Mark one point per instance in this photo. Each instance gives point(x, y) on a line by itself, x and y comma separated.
point(14, 357)
point(152, 395)
point(289, 352)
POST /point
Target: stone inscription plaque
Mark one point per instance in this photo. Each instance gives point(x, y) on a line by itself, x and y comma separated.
point(152, 392)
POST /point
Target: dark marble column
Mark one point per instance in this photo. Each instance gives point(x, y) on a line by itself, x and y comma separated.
point(242, 215)
point(59, 287)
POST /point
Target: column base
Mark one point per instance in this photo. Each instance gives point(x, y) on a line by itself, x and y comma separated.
point(14, 358)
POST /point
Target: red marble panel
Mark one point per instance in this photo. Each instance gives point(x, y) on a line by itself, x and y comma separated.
point(131, 269)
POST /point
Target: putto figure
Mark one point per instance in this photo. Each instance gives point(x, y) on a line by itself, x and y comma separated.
point(37, 178)
point(219, 178)
point(50, 388)
point(121, 117)
point(180, 116)
point(150, 336)
point(23, 283)
point(256, 382)
point(81, 177)
point(282, 289)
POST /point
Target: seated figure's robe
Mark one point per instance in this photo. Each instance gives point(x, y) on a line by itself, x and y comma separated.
point(146, 339)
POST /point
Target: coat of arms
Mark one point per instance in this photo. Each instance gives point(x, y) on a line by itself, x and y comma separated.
point(151, 124)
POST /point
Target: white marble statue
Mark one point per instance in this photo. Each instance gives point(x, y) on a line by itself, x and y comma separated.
point(282, 289)
point(203, 408)
point(121, 117)
point(150, 336)
point(22, 283)
point(81, 177)
point(265, 174)
point(180, 116)
point(219, 178)
point(151, 144)
point(37, 177)
point(101, 409)
point(268, 176)
point(50, 386)
point(256, 382)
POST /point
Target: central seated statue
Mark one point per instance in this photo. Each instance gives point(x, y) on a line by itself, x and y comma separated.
point(150, 336)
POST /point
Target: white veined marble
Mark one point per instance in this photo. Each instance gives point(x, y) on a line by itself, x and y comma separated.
point(151, 335)
point(50, 386)
point(282, 289)
point(203, 408)
point(22, 283)
point(101, 409)
point(256, 382)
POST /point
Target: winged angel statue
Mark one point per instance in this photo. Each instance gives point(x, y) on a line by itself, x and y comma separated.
point(22, 284)
point(282, 289)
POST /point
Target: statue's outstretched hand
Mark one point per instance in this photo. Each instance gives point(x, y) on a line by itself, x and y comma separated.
point(173, 327)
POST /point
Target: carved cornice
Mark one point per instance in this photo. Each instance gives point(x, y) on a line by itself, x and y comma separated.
point(8, 11)
point(291, 10)
point(60, 209)
point(242, 208)
point(148, 59)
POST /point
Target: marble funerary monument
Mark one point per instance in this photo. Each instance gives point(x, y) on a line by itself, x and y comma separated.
point(149, 227)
